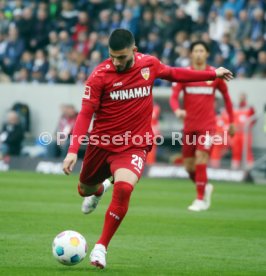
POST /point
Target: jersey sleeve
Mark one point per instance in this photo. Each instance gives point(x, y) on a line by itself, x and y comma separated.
point(222, 86)
point(90, 104)
point(182, 74)
point(173, 101)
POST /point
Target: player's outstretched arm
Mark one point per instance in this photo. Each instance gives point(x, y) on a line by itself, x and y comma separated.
point(69, 162)
point(175, 74)
point(224, 73)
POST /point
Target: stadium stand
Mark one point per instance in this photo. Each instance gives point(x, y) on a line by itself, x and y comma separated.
point(62, 41)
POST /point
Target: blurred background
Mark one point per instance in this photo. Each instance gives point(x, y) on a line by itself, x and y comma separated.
point(49, 48)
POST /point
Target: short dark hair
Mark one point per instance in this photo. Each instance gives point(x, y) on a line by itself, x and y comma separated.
point(199, 42)
point(121, 39)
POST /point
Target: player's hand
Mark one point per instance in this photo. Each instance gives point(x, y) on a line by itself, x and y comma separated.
point(231, 130)
point(224, 73)
point(69, 163)
point(180, 113)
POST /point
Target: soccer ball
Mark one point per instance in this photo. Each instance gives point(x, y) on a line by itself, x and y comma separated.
point(69, 247)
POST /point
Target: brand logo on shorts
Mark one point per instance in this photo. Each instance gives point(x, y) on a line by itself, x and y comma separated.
point(145, 72)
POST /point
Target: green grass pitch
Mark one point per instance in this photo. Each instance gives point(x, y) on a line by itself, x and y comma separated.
point(158, 236)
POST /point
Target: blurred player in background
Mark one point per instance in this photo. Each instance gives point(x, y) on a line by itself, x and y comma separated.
point(244, 121)
point(151, 156)
point(198, 114)
point(119, 92)
point(219, 150)
point(64, 127)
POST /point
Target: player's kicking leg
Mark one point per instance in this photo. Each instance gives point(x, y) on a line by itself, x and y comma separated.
point(90, 203)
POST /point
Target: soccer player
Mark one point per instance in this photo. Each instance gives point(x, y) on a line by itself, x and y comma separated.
point(244, 122)
point(119, 92)
point(198, 114)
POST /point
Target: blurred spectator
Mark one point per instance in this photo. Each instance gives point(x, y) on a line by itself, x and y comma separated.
point(68, 16)
point(226, 48)
point(65, 77)
point(200, 25)
point(26, 61)
point(241, 66)
point(60, 143)
point(39, 31)
point(40, 67)
point(153, 44)
point(115, 21)
point(4, 23)
point(94, 61)
point(252, 5)
point(13, 51)
point(213, 46)
point(234, 5)
point(129, 22)
point(102, 26)
point(82, 25)
point(11, 136)
point(183, 60)
point(216, 25)
point(169, 52)
point(118, 6)
point(82, 44)
point(51, 76)
point(54, 9)
point(260, 70)
point(65, 43)
point(183, 21)
point(216, 7)
point(258, 24)
point(22, 76)
point(244, 26)
point(230, 23)
point(3, 44)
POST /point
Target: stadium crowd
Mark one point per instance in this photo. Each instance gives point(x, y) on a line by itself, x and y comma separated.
point(56, 41)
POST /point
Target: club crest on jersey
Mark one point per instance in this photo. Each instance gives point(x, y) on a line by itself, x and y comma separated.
point(209, 82)
point(145, 72)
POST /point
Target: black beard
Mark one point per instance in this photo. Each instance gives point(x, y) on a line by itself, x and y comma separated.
point(127, 66)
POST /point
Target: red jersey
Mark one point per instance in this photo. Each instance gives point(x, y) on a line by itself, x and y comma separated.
point(199, 100)
point(241, 117)
point(122, 102)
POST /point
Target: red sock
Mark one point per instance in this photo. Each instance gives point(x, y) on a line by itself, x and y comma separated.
point(81, 193)
point(192, 176)
point(99, 192)
point(116, 211)
point(201, 180)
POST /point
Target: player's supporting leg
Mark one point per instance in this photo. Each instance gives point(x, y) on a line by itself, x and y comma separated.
point(123, 187)
point(201, 181)
point(91, 201)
